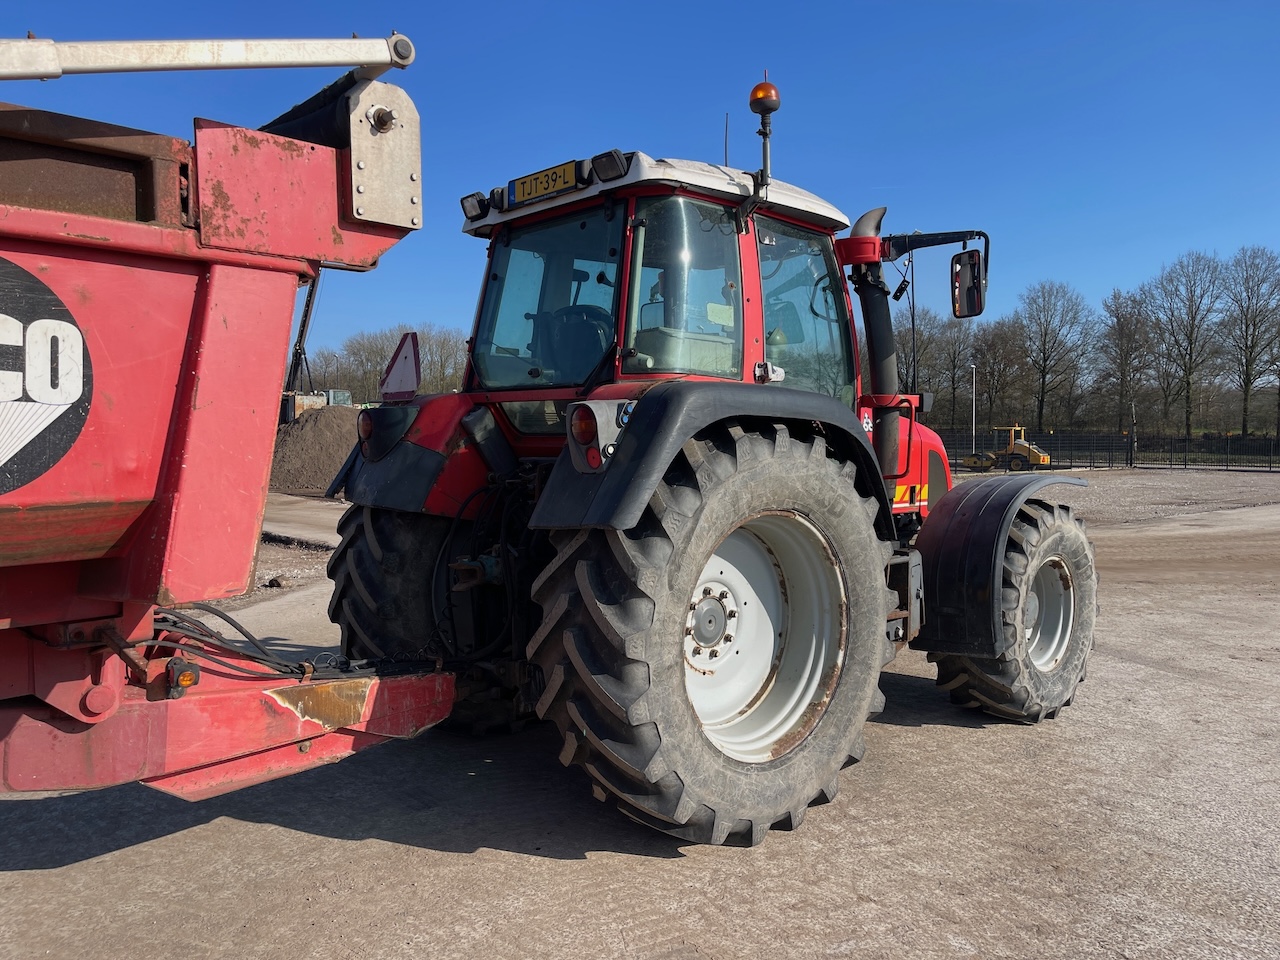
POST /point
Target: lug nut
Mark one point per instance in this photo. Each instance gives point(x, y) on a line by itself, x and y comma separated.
point(724, 594)
point(713, 654)
point(731, 614)
point(706, 591)
point(728, 638)
point(697, 651)
point(688, 631)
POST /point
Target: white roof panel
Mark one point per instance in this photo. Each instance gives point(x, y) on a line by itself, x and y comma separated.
point(710, 178)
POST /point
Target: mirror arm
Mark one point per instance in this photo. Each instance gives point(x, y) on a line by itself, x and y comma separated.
point(896, 245)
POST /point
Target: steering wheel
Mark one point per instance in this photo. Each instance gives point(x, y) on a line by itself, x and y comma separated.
point(589, 311)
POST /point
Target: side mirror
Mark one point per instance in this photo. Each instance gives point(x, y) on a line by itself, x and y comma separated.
point(968, 284)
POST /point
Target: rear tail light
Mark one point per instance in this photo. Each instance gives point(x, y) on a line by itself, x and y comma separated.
point(582, 425)
point(364, 425)
point(594, 430)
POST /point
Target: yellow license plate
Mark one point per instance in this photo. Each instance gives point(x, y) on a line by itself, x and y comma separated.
point(543, 184)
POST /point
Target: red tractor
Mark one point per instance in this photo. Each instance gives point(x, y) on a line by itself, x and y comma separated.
point(664, 514)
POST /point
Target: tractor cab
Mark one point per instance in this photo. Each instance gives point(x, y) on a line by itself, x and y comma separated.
point(628, 267)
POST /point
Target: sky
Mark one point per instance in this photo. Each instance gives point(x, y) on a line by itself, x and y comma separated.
point(1094, 142)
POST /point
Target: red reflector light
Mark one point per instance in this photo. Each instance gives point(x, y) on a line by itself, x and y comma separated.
point(364, 425)
point(593, 457)
point(582, 424)
point(364, 450)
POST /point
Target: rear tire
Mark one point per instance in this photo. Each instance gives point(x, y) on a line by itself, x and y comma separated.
point(1017, 464)
point(749, 534)
point(380, 572)
point(1048, 607)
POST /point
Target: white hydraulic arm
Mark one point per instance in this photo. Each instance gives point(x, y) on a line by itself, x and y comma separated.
point(48, 60)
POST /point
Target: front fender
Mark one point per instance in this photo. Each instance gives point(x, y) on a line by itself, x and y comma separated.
point(962, 547)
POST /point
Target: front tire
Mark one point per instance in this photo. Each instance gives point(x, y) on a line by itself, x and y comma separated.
point(712, 668)
point(1048, 607)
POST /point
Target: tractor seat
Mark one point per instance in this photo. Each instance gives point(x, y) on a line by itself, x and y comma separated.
point(576, 339)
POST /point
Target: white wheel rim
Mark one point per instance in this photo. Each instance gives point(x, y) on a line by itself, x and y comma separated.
point(764, 636)
point(1048, 613)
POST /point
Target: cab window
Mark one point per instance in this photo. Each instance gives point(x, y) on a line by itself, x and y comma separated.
point(686, 316)
point(549, 308)
point(806, 315)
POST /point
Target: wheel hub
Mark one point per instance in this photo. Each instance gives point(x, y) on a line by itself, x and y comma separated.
point(708, 629)
point(709, 620)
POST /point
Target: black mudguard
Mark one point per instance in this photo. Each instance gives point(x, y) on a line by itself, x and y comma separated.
point(665, 418)
point(962, 547)
point(399, 475)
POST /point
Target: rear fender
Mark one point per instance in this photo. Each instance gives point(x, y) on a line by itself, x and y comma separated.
point(430, 462)
point(670, 414)
point(962, 548)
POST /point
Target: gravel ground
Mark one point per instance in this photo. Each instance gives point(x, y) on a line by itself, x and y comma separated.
point(1135, 496)
point(1139, 824)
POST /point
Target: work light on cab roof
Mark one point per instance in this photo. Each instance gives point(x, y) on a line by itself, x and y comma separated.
point(543, 185)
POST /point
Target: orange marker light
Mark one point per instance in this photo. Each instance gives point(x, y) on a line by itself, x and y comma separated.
point(764, 98)
point(180, 675)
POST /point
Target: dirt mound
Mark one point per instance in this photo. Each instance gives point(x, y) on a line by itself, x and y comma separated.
point(311, 450)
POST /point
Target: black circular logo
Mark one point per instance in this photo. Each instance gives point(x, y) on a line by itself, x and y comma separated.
point(46, 381)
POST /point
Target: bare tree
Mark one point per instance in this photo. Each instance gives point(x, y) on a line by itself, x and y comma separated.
point(999, 351)
point(1273, 363)
point(365, 356)
point(1164, 365)
point(1058, 324)
point(1124, 351)
point(919, 369)
point(324, 368)
point(443, 352)
point(1068, 403)
point(1251, 319)
point(955, 352)
point(1186, 304)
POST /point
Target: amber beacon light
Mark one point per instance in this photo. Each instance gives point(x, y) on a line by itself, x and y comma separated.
point(764, 98)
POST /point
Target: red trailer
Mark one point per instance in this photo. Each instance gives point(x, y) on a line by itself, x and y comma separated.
point(147, 287)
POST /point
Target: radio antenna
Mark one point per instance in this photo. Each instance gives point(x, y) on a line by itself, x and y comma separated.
point(726, 138)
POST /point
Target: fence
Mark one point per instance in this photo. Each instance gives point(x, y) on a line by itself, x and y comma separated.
point(1071, 451)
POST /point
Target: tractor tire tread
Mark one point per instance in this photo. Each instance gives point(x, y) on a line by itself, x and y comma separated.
point(1007, 686)
point(598, 598)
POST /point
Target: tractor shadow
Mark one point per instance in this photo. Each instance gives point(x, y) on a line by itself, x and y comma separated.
point(912, 701)
point(443, 791)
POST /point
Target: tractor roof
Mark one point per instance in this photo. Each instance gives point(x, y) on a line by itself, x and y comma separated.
point(701, 177)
